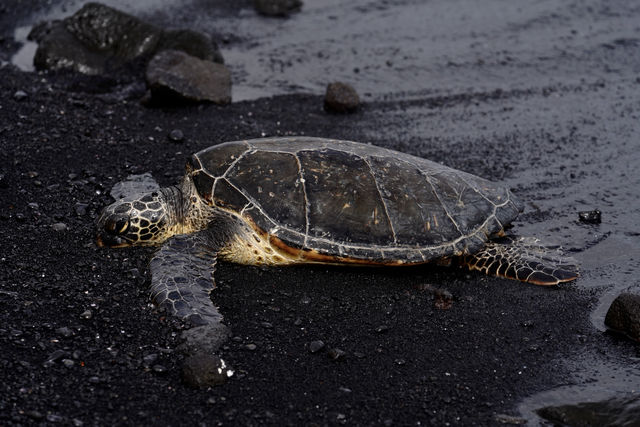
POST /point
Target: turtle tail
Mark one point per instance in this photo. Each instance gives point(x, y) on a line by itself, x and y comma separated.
point(524, 259)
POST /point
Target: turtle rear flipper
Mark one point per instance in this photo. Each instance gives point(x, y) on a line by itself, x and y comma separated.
point(524, 259)
point(181, 283)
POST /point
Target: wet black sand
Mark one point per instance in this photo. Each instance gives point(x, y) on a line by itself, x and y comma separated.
point(405, 361)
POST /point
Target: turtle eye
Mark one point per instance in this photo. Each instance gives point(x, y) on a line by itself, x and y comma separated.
point(117, 225)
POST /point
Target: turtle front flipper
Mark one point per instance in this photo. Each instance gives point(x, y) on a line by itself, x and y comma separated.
point(523, 259)
point(182, 281)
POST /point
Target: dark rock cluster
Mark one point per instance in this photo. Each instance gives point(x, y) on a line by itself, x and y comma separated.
point(182, 64)
point(178, 65)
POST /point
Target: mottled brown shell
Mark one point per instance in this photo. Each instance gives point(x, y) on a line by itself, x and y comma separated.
point(351, 200)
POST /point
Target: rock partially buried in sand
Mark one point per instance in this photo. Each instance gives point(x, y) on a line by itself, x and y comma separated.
point(341, 98)
point(175, 76)
point(281, 8)
point(624, 315)
point(98, 38)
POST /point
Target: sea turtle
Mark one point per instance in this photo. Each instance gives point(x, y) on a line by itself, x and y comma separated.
point(278, 201)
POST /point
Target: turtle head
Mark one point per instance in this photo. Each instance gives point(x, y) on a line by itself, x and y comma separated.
point(144, 219)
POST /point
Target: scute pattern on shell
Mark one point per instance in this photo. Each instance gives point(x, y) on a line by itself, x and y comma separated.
point(349, 199)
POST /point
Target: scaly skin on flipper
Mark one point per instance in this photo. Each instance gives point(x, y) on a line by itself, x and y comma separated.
point(523, 259)
point(182, 278)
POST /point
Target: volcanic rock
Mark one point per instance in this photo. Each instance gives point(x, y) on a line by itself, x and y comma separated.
point(176, 76)
point(624, 315)
point(341, 98)
point(98, 38)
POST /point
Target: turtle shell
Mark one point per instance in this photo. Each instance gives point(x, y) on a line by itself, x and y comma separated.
point(349, 200)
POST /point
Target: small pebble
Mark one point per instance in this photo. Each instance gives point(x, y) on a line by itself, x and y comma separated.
point(400, 362)
point(316, 346)
point(64, 331)
point(159, 369)
point(382, 328)
point(20, 95)
point(68, 363)
point(336, 353)
point(54, 418)
point(81, 209)
point(590, 217)
point(176, 135)
point(251, 347)
point(87, 314)
point(266, 325)
point(59, 226)
point(149, 359)
point(56, 355)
